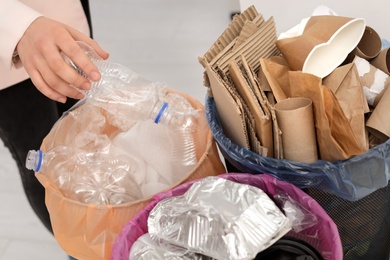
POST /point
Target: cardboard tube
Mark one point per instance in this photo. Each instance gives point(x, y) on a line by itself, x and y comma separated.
point(296, 122)
point(369, 45)
point(382, 61)
point(379, 122)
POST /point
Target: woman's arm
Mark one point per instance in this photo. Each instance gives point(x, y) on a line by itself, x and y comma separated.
point(39, 42)
point(15, 18)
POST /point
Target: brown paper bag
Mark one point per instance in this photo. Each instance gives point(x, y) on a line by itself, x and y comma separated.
point(345, 83)
point(379, 121)
point(336, 140)
point(275, 70)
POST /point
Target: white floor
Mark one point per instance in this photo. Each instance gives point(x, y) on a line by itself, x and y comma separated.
point(159, 39)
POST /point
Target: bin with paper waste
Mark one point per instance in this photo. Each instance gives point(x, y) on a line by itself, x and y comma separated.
point(352, 187)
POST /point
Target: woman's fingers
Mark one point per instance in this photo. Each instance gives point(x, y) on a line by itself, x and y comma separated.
point(44, 79)
point(41, 51)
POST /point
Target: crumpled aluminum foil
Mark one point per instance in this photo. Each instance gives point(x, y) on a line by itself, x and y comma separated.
point(219, 218)
point(145, 248)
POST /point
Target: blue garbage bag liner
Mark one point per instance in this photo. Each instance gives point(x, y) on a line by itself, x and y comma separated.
point(350, 179)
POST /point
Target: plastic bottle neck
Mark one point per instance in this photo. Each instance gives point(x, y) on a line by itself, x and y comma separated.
point(162, 108)
point(34, 160)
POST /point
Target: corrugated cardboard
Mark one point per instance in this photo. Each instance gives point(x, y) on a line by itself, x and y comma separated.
point(254, 143)
point(247, 88)
point(248, 36)
point(229, 36)
point(260, 44)
point(229, 108)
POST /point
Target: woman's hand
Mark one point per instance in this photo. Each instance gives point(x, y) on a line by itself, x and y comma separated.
point(40, 52)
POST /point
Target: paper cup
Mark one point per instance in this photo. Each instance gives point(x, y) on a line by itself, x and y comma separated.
point(373, 80)
point(369, 45)
point(324, 44)
point(382, 61)
point(296, 122)
point(378, 123)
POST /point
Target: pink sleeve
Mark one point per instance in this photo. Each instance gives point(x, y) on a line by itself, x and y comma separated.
point(15, 17)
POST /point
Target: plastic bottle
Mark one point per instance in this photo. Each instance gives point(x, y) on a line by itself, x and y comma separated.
point(92, 178)
point(182, 118)
point(167, 145)
point(130, 98)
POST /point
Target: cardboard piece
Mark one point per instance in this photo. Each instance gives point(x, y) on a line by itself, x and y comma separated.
point(248, 89)
point(227, 39)
point(323, 45)
point(265, 88)
point(260, 44)
point(295, 118)
point(373, 80)
point(251, 37)
point(224, 93)
point(344, 82)
point(230, 45)
point(230, 111)
point(263, 81)
point(267, 101)
point(277, 134)
point(336, 140)
point(379, 121)
point(382, 61)
point(249, 28)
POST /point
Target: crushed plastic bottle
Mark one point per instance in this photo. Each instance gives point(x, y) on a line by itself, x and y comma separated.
point(92, 178)
point(131, 99)
point(128, 100)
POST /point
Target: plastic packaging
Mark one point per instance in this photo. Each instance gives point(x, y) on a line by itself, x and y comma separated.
point(121, 92)
point(162, 152)
point(93, 178)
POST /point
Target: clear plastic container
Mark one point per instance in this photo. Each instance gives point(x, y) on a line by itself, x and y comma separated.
point(92, 178)
point(131, 99)
point(128, 100)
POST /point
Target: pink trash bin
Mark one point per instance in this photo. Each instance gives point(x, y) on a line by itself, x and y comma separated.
point(323, 235)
